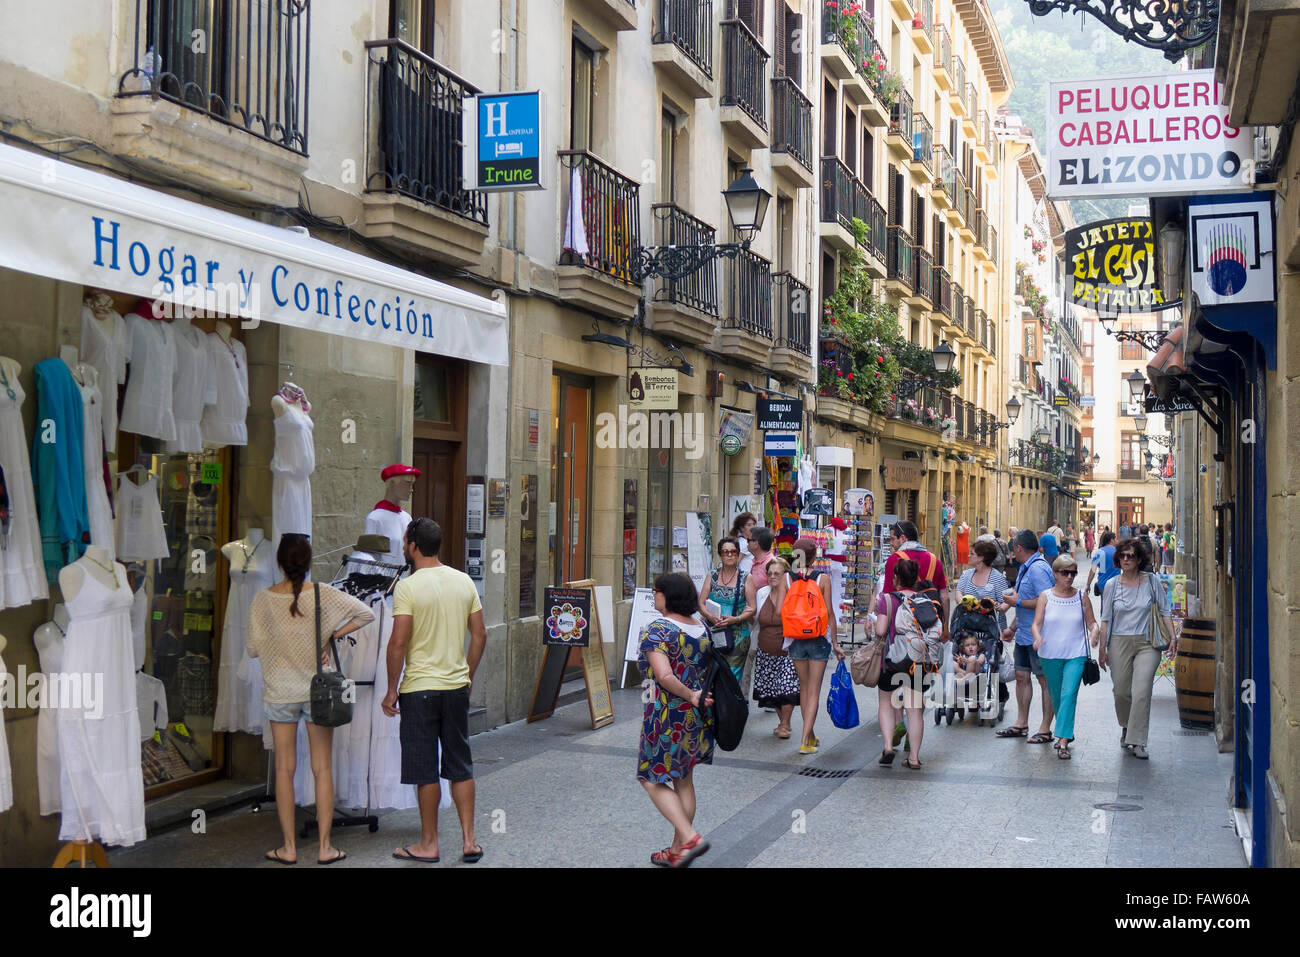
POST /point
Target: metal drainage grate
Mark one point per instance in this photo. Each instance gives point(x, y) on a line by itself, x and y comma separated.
point(1118, 807)
point(1191, 734)
point(823, 773)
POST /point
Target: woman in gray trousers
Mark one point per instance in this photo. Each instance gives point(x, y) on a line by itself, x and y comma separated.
point(1125, 616)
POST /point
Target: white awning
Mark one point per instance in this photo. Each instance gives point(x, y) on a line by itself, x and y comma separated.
point(82, 226)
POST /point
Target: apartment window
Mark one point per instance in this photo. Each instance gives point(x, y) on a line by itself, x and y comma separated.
point(784, 233)
point(850, 138)
point(828, 273)
point(582, 96)
point(1130, 509)
point(1131, 350)
point(667, 157)
point(786, 45)
point(750, 13)
point(1132, 460)
point(829, 113)
point(868, 160)
point(412, 22)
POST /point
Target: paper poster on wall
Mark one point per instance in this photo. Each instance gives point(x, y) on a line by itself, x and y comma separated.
point(680, 565)
point(679, 536)
point(605, 611)
point(738, 505)
point(643, 613)
point(698, 553)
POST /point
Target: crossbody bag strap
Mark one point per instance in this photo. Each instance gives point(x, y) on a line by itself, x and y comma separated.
point(315, 590)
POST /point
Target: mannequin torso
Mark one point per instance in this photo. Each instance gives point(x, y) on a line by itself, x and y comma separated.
point(96, 563)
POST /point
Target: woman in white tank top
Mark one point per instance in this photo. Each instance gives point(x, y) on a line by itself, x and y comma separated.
point(1063, 624)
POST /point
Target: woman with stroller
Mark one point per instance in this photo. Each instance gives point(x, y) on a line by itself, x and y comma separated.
point(1062, 627)
point(982, 580)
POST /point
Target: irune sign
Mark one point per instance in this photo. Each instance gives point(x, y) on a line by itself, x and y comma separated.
point(1112, 266)
point(504, 141)
point(1143, 136)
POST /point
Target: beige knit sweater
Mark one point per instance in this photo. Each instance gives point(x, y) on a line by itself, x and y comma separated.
point(287, 643)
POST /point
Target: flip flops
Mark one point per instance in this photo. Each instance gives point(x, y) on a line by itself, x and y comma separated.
point(473, 857)
point(405, 855)
point(887, 757)
point(340, 856)
point(1042, 737)
point(275, 856)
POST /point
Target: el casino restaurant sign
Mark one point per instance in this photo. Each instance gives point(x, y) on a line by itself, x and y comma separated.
point(1112, 266)
point(1143, 136)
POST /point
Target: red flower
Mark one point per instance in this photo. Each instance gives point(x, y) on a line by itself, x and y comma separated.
point(850, 375)
point(880, 359)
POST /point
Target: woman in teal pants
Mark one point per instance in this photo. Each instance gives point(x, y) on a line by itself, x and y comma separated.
point(1062, 627)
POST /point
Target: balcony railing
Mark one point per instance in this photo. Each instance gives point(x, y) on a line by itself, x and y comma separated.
point(923, 18)
point(749, 294)
point(922, 141)
point(899, 255)
point(676, 227)
point(985, 133)
point(993, 243)
point(743, 69)
point(250, 72)
point(942, 46)
point(850, 33)
point(874, 52)
point(972, 103)
point(942, 291)
point(603, 222)
point(958, 71)
point(688, 25)
point(958, 307)
point(981, 229)
point(1022, 371)
point(968, 208)
point(923, 274)
point(901, 116)
point(980, 327)
point(792, 121)
point(417, 129)
point(968, 316)
point(879, 238)
point(954, 184)
point(793, 313)
point(838, 189)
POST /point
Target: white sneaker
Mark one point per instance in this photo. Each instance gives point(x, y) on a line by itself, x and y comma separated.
point(1140, 752)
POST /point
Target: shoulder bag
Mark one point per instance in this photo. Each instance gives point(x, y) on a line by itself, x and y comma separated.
point(332, 695)
point(866, 663)
point(1157, 631)
point(1091, 671)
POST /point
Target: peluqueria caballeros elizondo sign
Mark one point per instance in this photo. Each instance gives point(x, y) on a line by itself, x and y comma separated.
point(1112, 266)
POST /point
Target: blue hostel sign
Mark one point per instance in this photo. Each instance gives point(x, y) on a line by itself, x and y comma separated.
point(505, 142)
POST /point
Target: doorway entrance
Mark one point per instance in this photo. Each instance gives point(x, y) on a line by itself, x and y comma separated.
point(439, 452)
point(571, 410)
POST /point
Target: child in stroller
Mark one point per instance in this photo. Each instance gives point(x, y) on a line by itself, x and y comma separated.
point(970, 670)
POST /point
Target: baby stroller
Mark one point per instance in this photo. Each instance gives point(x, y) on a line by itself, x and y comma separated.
point(983, 694)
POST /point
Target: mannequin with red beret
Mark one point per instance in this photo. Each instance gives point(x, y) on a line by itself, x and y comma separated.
point(388, 517)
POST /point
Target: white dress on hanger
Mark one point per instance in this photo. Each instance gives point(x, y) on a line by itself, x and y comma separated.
point(239, 677)
point(224, 421)
point(147, 409)
point(291, 467)
point(47, 730)
point(194, 386)
point(140, 534)
point(6, 773)
point(105, 345)
point(22, 569)
point(100, 781)
point(97, 507)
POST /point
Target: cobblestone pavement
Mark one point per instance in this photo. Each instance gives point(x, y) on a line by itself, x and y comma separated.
point(556, 793)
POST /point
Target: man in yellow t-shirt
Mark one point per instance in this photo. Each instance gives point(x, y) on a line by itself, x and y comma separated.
point(432, 609)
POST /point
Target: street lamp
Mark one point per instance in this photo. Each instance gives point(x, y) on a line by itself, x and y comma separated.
point(943, 357)
point(1140, 421)
point(1136, 385)
point(1173, 255)
point(1144, 443)
point(746, 208)
point(1013, 410)
point(1096, 458)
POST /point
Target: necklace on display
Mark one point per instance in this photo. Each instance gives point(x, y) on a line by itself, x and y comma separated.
point(4, 381)
point(108, 568)
point(233, 354)
point(248, 555)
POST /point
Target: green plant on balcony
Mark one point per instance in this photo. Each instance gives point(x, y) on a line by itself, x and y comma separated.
point(850, 21)
point(919, 361)
point(861, 335)
point(891, 85)
point(874, 71)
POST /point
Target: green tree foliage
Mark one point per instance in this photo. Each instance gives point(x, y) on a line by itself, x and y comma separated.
point(1065, 47)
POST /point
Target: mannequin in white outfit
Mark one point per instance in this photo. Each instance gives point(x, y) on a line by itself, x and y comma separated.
point(388, 517)
point(93, 407)
point(239, 683)
point(291, 465)
point(72, 576)
point(48, 639)
point(6, 775)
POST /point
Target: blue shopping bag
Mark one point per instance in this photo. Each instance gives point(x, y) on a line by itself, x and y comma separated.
point(840, 702)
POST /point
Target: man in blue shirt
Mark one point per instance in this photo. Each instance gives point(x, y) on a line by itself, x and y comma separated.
point(1035, 578)
point(1103, 564)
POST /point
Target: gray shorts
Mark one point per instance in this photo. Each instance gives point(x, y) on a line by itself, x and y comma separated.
point(287, 713)
point(1027, 660)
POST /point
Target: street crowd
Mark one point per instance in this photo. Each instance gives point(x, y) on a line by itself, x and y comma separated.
point(1017, 614)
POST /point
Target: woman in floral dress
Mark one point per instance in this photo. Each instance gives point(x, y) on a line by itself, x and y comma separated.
point(726, 586)
point(675, 732)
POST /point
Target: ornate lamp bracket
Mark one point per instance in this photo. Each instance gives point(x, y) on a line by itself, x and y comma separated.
point(1171, 28)
point(677, 262)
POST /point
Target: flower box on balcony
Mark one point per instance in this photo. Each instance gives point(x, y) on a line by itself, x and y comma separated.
point(836, 410)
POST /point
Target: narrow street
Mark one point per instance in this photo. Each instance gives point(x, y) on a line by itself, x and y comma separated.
point(563, 795)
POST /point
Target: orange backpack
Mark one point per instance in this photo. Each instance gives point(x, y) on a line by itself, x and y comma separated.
point(803, 613)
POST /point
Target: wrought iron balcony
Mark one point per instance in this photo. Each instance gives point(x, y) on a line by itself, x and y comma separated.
point(1022, 371)
point(901, 116)
point(954, 185)
point(743, 71)
point(840, 188)
point(749, 294)
point(900, 254)
point(958, 306)
point(874, 54)
point(688, 25)
point(418, 130)
point(972, 104)
point(923, 274)
point(958, 71)
point(792, 121)
point(980, 327)
point(676, 227)
point(602, 229)
point(993, 243)
point(850, 32)
point(942, 47)
point(968, 314)
point(873, 214)
point(793, 313)
point(981, 229)
point(922, 141)
point(941, 291)
point(923, 18)
point(251, 73)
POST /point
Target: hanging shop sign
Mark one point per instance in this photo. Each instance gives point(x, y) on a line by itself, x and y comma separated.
point(1062, 399)
point(1170, 406)
point(1087, 401)
point(901, 473)
point(85, 227)
point(1087, 492)
point(1143, 136)
point(1232, 249)
point(732, 422)
point(652, 388)
point(503, 141)
point(780, 444)
point(778, 415)
point(730, 444)
point(1113, 266)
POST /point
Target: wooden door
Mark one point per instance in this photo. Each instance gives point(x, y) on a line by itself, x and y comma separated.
point(436, 495)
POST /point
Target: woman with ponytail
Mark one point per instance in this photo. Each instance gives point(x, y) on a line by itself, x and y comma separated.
point(282, 632)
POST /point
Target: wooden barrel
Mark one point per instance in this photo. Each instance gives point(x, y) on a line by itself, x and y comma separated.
point(1194, 674)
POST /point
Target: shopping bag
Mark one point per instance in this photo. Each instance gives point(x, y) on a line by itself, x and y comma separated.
point(840, 701)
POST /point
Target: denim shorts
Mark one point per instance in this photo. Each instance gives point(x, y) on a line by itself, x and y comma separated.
point(810, 649)
point(287, 713)
point(1027, 660)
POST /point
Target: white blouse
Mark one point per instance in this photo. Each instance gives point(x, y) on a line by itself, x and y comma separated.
point(105, 345)
point(223, 421)
point(150, 391)
point(194, 387)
